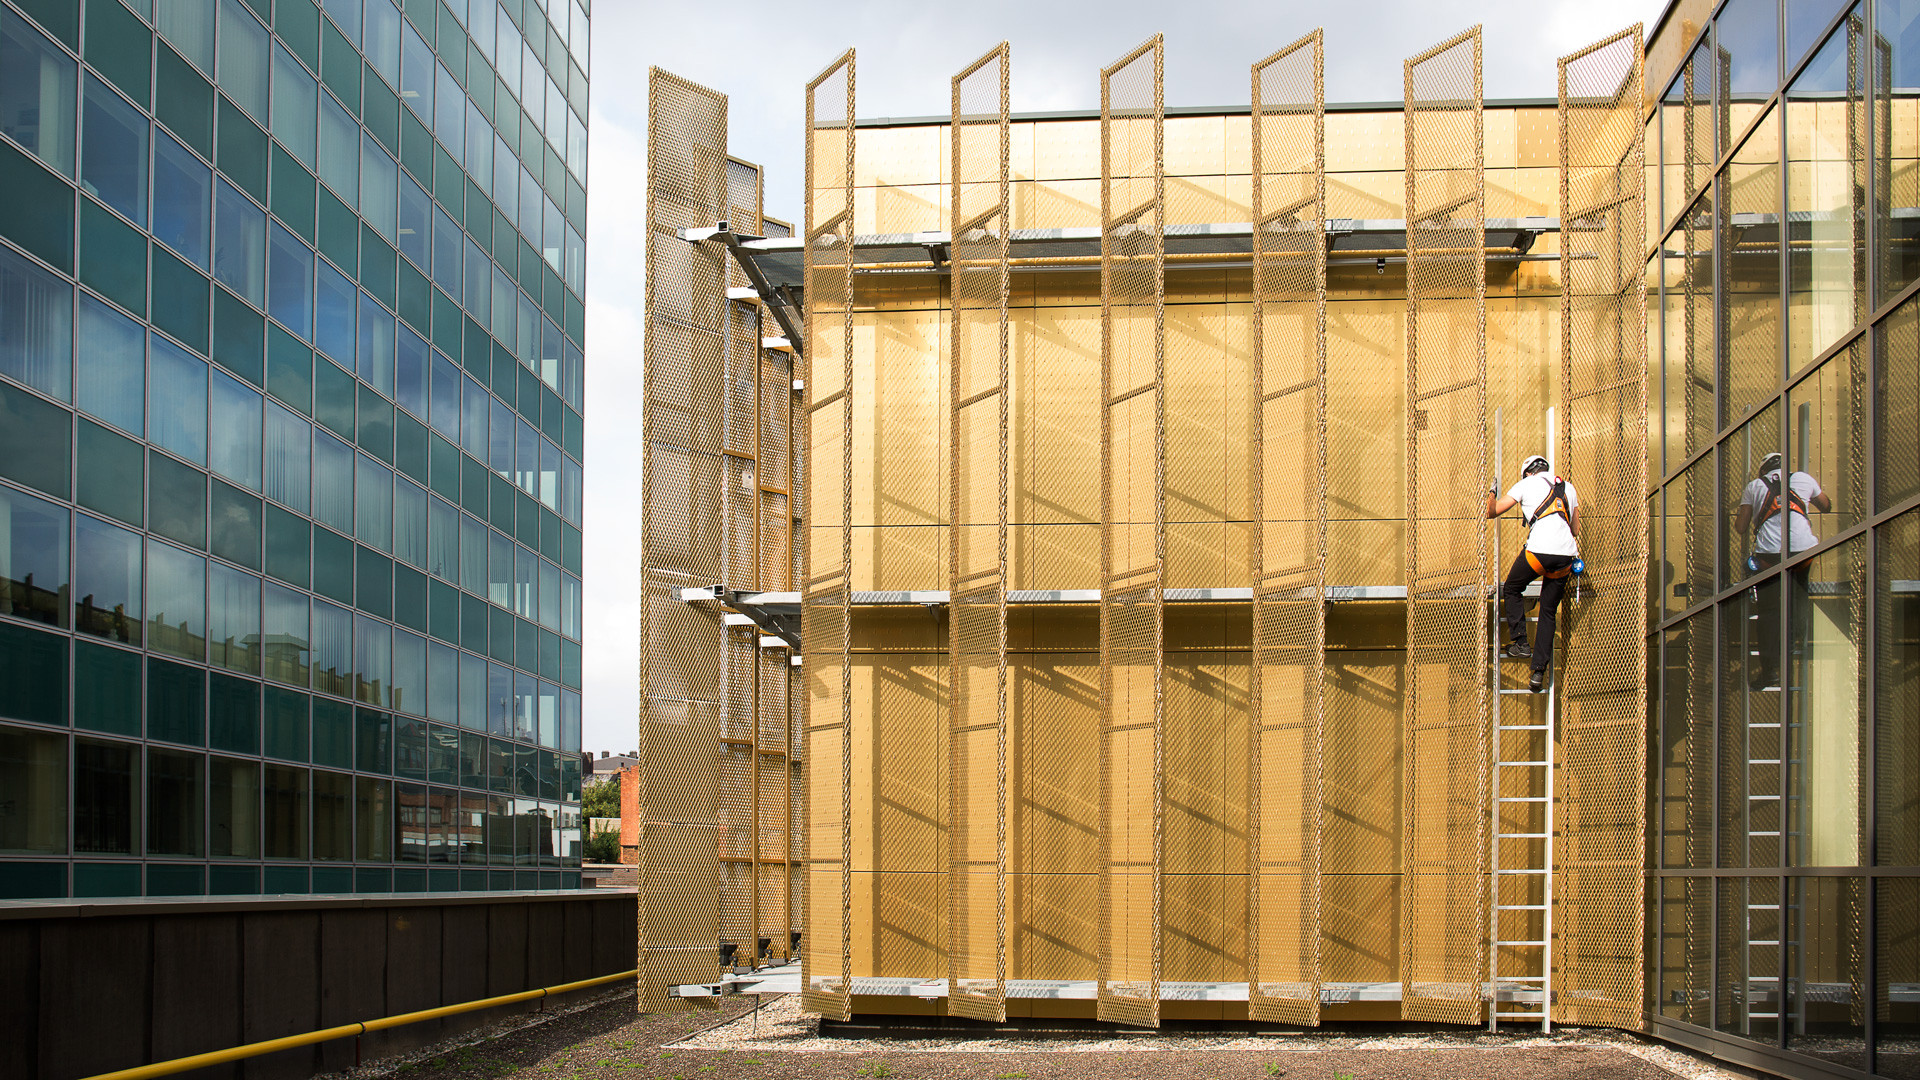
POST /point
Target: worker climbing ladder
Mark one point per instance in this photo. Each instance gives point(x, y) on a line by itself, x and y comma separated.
point(1520, 878)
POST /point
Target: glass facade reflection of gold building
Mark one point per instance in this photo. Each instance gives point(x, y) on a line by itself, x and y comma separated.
point(1132, 463)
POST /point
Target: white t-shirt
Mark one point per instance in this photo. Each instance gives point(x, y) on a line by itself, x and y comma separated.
point(1766, 539)
point(1552, 535)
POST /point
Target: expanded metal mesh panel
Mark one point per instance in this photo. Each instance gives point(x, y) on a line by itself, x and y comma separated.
point(1599, 859)
point(1288, 548)
point(977, 549)
point(1443, 899)
point(826, 599)
point(681, 647)
point(1134, 534)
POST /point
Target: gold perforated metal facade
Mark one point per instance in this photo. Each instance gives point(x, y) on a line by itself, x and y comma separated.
point(1134, 498)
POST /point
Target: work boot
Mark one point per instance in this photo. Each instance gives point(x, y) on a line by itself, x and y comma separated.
point(1518, 651)
point(1538, 682)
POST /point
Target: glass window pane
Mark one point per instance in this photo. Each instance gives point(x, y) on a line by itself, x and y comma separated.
point(240, 242)
point(443, 682)
point(36, 93)
point(332, 649)
point(235, 423)
point(449, 114)
point(445, 406)
point(379, 192)
point(473, 419)
point(476, 281)
point(243, 58)
point(234, 523)
point(332, 481)
point(176, 601)
point(499, 569)
point(410, 522)
point(36, 324)
point(372, 660)
point(106, 807)
point(332, 816)
point(34, 765)
point(233, 619)
point(234, 806)
point(1825, 633)
point(33, 558)
point(416, 222)
point(286, 812)
point(1826, 186)
point(443, 539)
point(570, 605)
point(107, 586)
point(178, 498)
point(290, 288)
point(1897, 403)
point(113, 151)
point(175, 803)
point(294, 101)
point(373, 819)
point(416, 71)
point(1896, 689)
point(339, 165)
point(115, 350)
point(499, 700)
point(473, 692)
point(446, 252)
point(285, 635)
point(333, 323)
point(373, 501)
point(382, 41)
point(188, 24)
point(177, 401)
point(286, 462)
point(182, 199)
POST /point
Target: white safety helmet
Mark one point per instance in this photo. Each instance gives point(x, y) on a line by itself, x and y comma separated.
point(1770, 463)
point(1534, 464)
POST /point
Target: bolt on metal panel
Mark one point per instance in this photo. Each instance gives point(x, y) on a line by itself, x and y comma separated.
point(1444, 853)
point(1598, 897)
point(1133, 532)
point(1288, 551)
point(826, 599)
point(682, 472)
point(977, 550)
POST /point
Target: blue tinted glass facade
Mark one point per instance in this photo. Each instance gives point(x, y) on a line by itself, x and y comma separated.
point(291, 387)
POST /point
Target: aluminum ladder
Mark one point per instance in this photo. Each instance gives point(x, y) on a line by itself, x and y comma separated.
point(1520, 841)
point(1767, 743)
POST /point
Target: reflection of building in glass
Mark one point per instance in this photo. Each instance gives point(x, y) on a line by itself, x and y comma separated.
point(291, 393)
point(1140, 572)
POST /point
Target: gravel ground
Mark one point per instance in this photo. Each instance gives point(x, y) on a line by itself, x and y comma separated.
point(604, 1039)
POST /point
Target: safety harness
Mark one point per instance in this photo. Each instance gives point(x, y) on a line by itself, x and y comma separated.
point(1792, 502)
point(1554, 503)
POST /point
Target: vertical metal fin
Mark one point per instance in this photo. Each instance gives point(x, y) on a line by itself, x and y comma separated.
point(826, 601)
point(1133, 531)
point(1444, 852)
point(1599, 907)
point(682, 474)
point(977, 614)
point(1288, 553)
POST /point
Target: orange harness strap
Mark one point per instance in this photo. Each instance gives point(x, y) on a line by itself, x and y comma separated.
point(1534, 561)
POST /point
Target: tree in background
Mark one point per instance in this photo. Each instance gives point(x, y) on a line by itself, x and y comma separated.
point(601, 798)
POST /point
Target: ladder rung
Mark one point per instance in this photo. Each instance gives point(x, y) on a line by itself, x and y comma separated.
point(1519, 727)
point(1770, 942)
point(1512, 764)
point(1522, 978)
point(1763, 798)
point(1497, 942)
point(1523, 871)
point(1763, 832)
point(1520, 836)
point(1763, 724)
point(1504, 690)
point(1521, 1015)
point(1753, 761)
point(1520, 798)
point(1520, 907)
point(1763, 907)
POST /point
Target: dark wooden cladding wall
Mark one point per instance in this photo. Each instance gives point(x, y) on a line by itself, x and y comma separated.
point(99, 987)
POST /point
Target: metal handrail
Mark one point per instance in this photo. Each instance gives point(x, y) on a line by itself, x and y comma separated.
point(291, 1042)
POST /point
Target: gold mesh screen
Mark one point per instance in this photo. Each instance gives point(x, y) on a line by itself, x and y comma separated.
point(826, 599)
point(1287, 553)
point(681, 543)
point(977, 488)
point(1133, 535)
point(1599, 907)
point(1443, 896)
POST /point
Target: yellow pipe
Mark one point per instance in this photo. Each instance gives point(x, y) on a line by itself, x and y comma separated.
point(291, 1042)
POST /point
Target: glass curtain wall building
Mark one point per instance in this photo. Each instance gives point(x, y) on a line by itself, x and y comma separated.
point(1784, 770)
point(290, 442)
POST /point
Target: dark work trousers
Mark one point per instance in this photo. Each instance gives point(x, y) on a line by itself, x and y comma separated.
point(1551, 590)
point(1767, 626)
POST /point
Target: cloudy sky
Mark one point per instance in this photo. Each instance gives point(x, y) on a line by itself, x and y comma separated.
point(762, 54)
